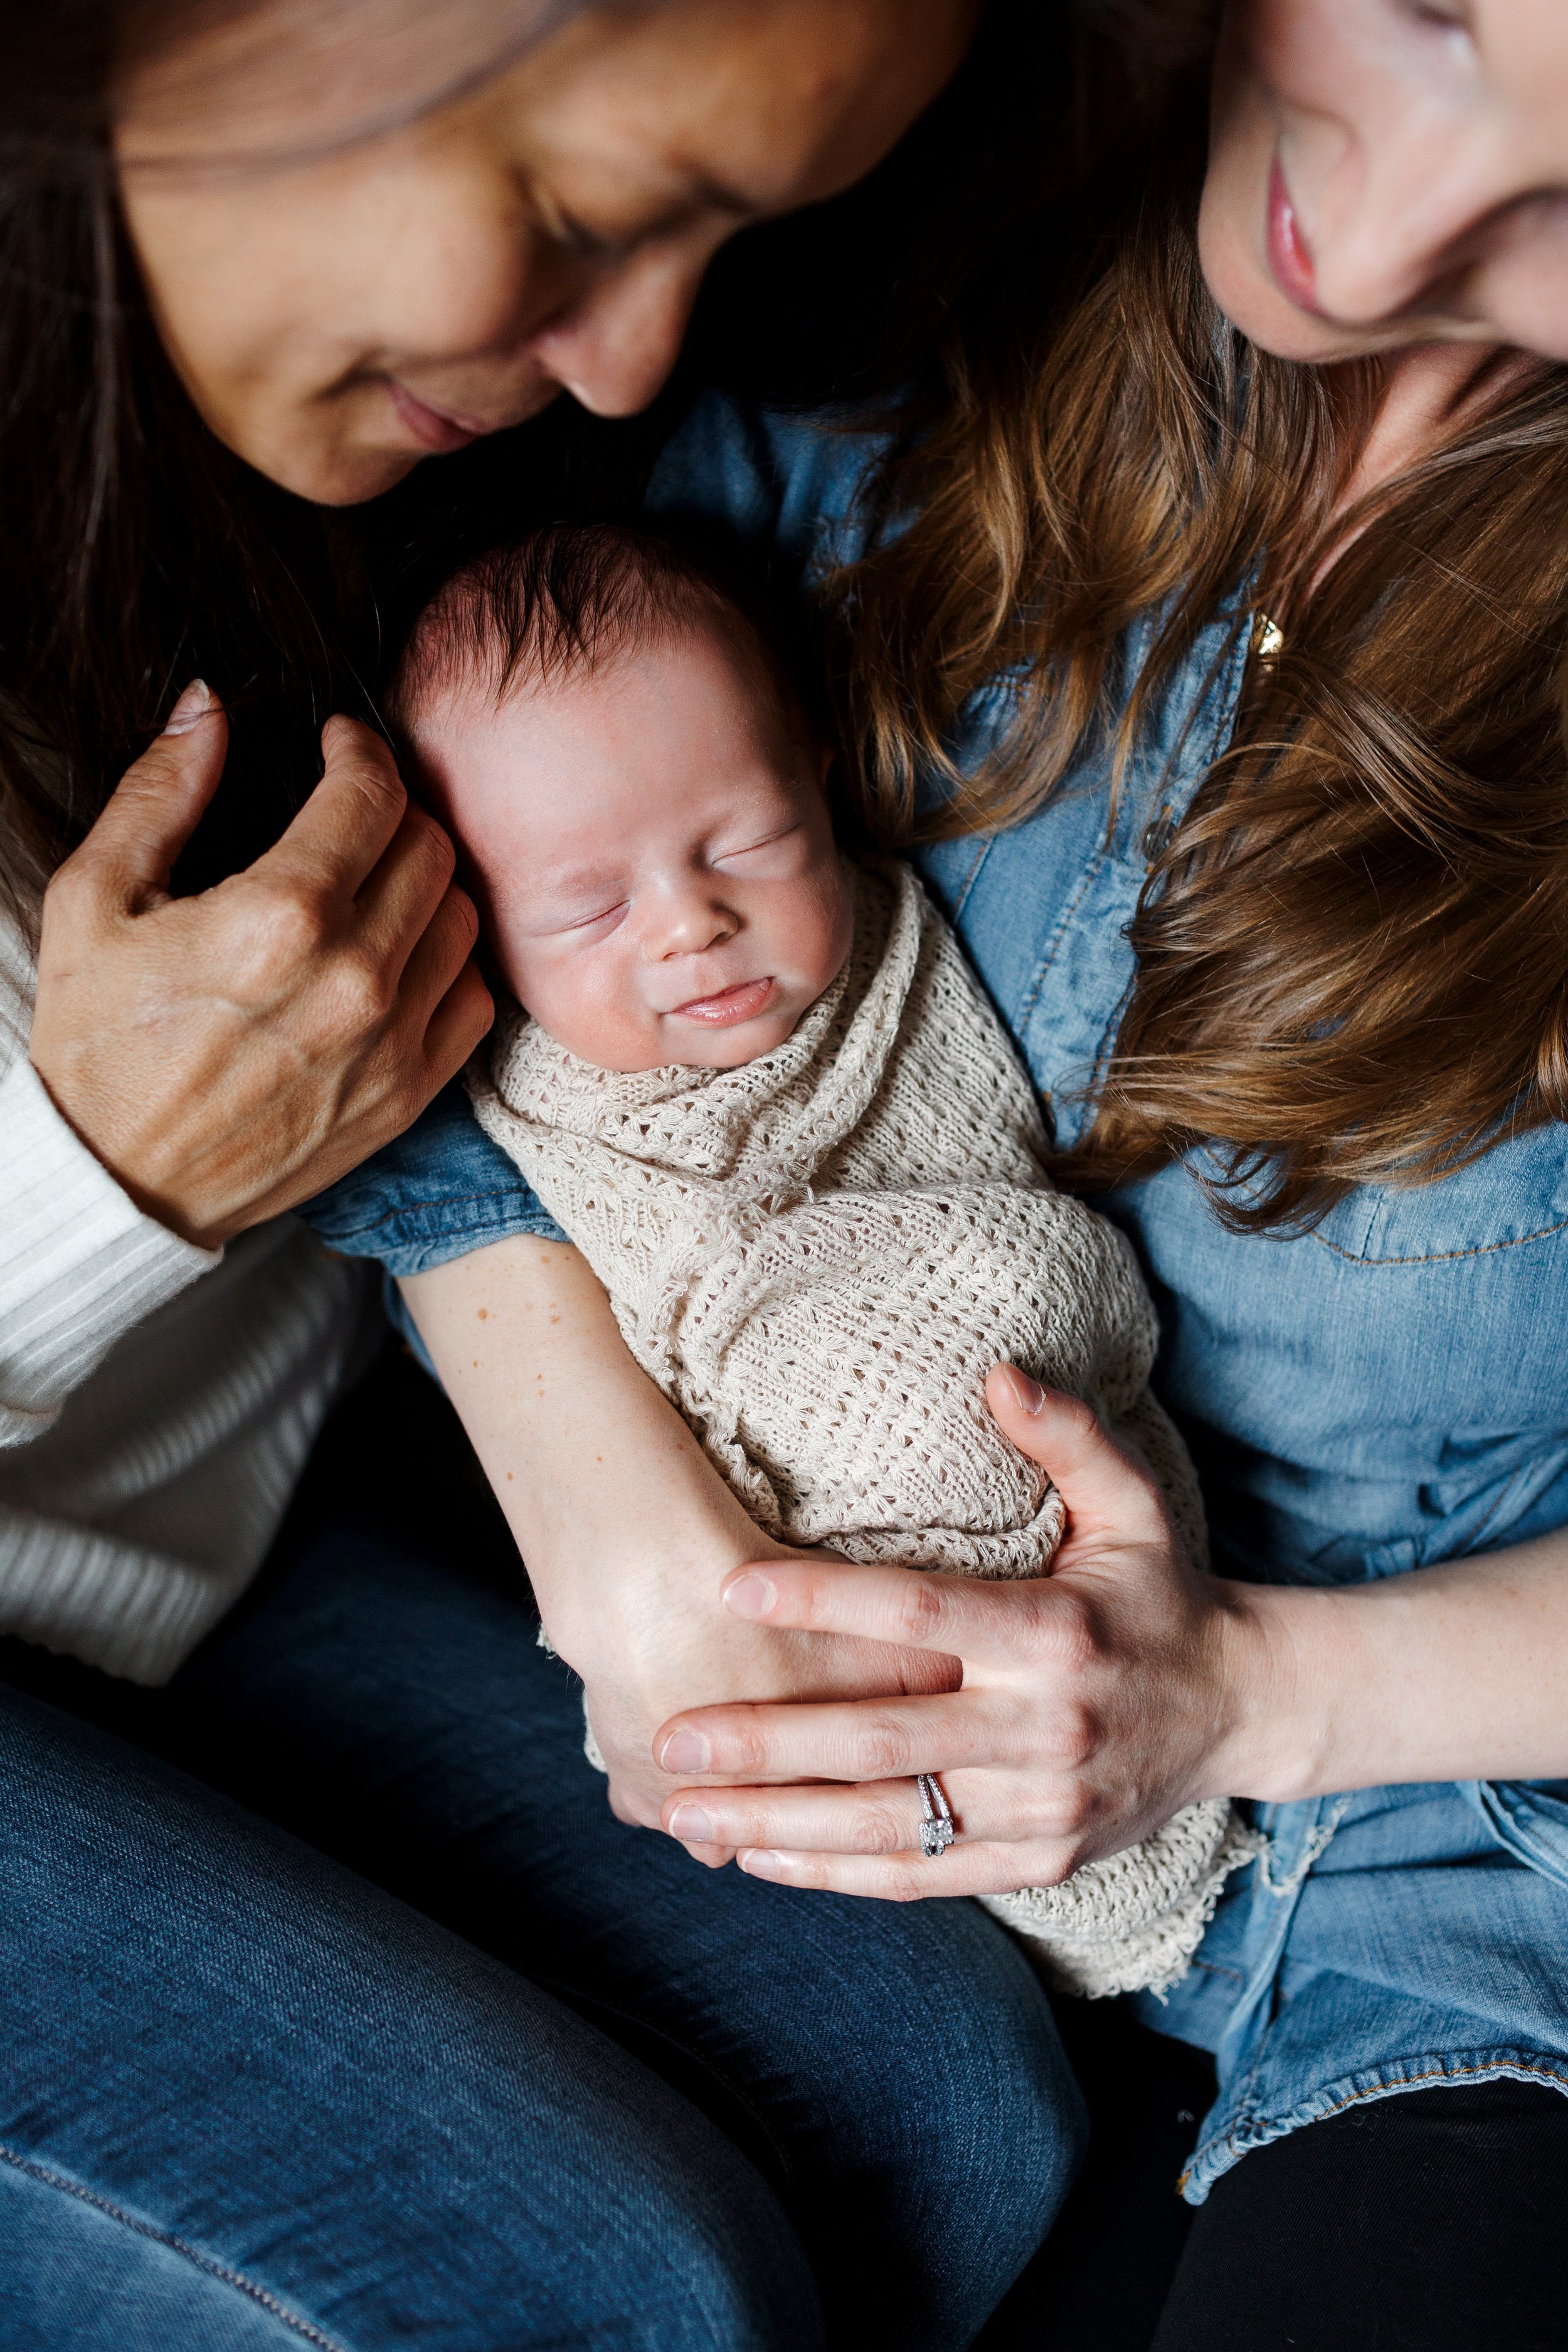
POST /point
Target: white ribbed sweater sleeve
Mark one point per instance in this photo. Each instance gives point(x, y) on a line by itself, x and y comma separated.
point(80, 1263)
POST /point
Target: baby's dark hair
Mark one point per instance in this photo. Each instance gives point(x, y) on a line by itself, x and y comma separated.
point(569, 597)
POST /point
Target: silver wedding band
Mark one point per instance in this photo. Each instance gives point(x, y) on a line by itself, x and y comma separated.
point(937, 1831)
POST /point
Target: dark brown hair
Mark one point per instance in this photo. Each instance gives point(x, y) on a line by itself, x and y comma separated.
point(137, 553)
point(570, 596)
point(1352, 957)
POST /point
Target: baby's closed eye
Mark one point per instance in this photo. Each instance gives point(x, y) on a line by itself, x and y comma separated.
point(561, 922)
point(755, 856)
point(602, 919)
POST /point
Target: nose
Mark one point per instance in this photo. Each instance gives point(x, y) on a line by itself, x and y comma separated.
point(613, 345)
point(1384, 267)
point(1417, 226)
point(687, 919)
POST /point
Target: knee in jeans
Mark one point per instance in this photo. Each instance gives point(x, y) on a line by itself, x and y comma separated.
point(1010, 2126)
point(1022, 2131)
point(711, 2262)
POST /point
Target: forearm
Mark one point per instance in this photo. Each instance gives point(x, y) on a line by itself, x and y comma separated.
point(627, 1529)
point(609, 1496)
point(1455, 1673)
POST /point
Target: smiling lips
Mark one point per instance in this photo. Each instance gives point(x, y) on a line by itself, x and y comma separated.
point(1288, 256)
point(441, 433)
point(742, 1003)
point(442, 429)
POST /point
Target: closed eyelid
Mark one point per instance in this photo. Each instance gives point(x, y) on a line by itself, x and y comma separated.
point(575, 235)
point(602, 914)
point(567, 232)
point(1441, 16)
point(762, 841)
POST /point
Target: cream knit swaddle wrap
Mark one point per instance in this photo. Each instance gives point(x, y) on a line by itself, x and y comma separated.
point(818, 1257)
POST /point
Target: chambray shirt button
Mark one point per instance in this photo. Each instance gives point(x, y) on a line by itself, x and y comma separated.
point(1157, 836)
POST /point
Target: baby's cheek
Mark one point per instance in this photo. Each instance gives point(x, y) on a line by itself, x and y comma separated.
point(520, 963)
point(591, 1004)
point(822, 924)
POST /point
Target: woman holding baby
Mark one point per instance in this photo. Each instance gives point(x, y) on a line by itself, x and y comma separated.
point(1197, 602)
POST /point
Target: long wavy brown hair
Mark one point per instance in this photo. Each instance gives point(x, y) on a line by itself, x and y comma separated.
point(1352, 957)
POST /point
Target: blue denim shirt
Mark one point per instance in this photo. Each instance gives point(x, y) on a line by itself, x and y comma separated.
point(1388, 1390)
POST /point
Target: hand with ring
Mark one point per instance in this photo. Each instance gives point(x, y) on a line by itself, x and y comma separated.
point(1095, 1702)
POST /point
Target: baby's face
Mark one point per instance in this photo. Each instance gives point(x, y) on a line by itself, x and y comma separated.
point(651, 851)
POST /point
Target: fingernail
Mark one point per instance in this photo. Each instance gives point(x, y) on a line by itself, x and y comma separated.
point(762, 1864)
point(685, 1751)
point(191, 708)
point(690, 1821)
point(1027, 1395)
point(750, 1596)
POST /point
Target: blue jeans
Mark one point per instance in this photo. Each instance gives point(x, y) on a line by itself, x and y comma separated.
point(559, 2086)
point(250, 2102)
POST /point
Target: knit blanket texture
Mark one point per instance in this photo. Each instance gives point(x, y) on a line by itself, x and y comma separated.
point(818, 1257)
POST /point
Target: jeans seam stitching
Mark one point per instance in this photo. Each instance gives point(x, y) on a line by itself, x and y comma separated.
point(1091, 873)
point(1442, 2074)
point(970, 879)
point(1244, 2115)
point(149, 2229)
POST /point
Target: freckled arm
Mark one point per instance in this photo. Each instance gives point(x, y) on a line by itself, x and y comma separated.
point(596, 1473)
point(627, 1530)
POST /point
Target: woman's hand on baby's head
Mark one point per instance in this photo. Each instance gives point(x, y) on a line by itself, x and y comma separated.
point(229, 1054)
point(653, 849)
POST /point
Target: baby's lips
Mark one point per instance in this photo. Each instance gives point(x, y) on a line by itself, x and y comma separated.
point(744, 1001)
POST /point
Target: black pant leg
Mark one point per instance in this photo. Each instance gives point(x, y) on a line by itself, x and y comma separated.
point(1429, 2221)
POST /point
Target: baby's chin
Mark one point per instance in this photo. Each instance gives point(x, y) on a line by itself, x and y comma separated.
point(688, 1045)
point(733, 1052)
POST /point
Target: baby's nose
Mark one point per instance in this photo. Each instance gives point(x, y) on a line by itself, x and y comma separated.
point(692, 924)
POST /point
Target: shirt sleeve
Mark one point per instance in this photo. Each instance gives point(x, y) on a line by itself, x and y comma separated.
point(80, 1264)
point(442, 1190)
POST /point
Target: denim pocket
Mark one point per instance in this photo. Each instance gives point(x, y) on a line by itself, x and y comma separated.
point(1517, 1194)
point(1529, 1817)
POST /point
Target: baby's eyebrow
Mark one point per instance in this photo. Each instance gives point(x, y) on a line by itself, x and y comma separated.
point(766, 808)
point(573, 881)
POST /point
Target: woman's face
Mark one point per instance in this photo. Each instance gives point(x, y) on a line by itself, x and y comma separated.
point(339, 307)
point(1384, 173)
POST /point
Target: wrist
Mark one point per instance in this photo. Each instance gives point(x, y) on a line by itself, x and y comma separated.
point(1280, 1740)
point(617, 1606)
point(75, 1106)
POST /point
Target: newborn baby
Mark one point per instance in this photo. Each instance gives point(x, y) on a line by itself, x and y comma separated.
point(759, 1088)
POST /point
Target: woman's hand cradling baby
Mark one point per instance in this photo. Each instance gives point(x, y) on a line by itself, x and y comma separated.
point(632, 1672)
point(1095, 1702)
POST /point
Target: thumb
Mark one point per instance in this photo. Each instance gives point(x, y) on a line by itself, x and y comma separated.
point(1106, 1490)
point(154, 809)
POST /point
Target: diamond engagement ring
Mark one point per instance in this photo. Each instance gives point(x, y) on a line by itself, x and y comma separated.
point(937, 1831)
